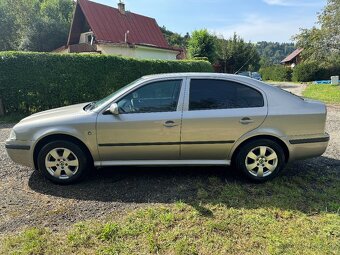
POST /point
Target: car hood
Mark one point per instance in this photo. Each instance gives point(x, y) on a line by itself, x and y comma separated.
point(72, 110)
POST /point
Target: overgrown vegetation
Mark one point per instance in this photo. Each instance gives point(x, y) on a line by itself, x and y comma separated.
point(34, 25)
point(311, 71)
point(175, 39)
point(276, 73)
point(325, 93)
point(202, 44)
point(236, 55)
point(31, 82)
point(322, 44)
point(304, 72)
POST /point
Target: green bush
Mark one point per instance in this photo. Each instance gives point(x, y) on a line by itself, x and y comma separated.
point(306, 72)
point(31, 82)
point(314, 71)
point(276, 73)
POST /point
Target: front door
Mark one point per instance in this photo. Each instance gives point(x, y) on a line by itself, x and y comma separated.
point(147, 127)
point(218, 113)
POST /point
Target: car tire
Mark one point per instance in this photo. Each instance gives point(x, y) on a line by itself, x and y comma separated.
point(260, 160)
point(62, 162)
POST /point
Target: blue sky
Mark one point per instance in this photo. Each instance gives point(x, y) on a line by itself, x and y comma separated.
point(255, 20)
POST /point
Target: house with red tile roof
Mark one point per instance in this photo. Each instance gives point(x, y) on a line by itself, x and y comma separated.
point(97, 28)
point(293, 58)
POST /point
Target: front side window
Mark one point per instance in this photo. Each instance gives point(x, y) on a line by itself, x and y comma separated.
point(208, 94)
point(159, 96)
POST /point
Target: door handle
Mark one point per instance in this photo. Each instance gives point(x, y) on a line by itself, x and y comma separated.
point(169, 123)
point(246, 120)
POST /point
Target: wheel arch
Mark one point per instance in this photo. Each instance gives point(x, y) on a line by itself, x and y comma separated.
point(53, 137)
point(257, 137)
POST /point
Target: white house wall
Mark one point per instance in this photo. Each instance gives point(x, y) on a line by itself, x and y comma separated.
point(138, 52)
point(154, 53)
point(115, 50)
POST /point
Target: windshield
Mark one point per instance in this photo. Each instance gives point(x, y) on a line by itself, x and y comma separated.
point(110, 97)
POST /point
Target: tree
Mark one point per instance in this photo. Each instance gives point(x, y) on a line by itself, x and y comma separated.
point(8, 27)
point(236, 55)
point(35, 25)
point(175, 39)
point(322, 44)
point(202, 44)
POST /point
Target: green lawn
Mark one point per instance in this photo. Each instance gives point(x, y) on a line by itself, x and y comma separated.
point(325, 93)
point(294, 214)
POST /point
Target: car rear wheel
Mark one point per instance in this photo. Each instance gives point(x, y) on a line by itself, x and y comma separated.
point(62, 162)
point(260, 160)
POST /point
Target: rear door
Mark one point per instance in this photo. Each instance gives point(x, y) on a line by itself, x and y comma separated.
point(216, 114)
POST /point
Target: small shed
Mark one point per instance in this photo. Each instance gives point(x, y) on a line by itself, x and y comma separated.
point(292, 59)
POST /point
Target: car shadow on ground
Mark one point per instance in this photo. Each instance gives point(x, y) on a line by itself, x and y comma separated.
point(310, 185)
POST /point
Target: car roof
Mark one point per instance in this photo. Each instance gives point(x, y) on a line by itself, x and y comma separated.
point(193, 74)
point(234, 77)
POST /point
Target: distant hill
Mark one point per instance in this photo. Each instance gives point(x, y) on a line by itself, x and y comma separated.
point(273, 52)
point(175, 39)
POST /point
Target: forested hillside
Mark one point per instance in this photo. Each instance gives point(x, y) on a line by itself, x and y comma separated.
point(273, 52)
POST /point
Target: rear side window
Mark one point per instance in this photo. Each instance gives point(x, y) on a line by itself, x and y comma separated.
point(207, 94)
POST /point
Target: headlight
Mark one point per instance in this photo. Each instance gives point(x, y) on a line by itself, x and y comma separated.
point(12, 135)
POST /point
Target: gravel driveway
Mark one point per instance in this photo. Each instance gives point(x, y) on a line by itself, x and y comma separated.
point(27, 199)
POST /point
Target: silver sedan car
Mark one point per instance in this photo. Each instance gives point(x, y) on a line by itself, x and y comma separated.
point(175, 119)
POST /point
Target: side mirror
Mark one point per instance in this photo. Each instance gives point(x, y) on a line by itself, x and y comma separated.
point(114, 109)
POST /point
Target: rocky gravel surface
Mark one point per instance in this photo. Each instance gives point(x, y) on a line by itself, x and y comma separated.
point(27, 199)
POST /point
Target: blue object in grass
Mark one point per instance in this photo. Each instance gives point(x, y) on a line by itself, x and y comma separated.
point(322, 82)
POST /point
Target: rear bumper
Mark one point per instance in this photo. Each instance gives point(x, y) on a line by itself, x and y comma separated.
point(308, 147)
point(20, 152)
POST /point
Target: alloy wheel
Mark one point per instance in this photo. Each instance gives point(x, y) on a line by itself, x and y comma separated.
point(261, 161)
point(61, 163)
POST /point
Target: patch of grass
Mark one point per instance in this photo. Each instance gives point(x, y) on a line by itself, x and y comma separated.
point(305, 191)
point(14, 118)
point(325, 93)
point(30, 241)
point(297, 213)
point(179, 229)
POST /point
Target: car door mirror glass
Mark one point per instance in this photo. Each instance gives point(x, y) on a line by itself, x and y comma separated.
point(114, 109)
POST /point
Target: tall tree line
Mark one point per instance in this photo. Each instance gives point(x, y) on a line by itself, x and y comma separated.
point(230, 54)
point(34, 25)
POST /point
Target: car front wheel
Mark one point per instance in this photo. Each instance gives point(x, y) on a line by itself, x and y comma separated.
point(62, 162)
point(260, 160)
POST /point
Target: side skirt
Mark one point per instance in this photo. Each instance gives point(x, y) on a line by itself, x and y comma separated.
point(163, 162)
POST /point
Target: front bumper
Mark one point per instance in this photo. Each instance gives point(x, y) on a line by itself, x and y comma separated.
point(20, 152)
point(308, 147)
